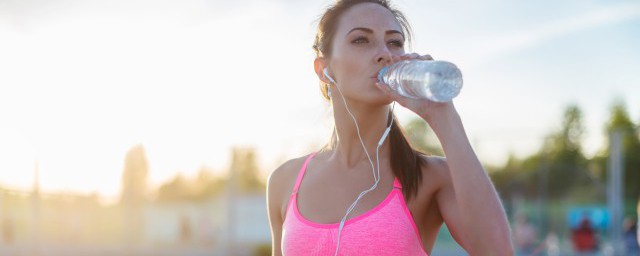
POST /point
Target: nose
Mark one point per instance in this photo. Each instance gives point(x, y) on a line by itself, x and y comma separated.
point(383, 56)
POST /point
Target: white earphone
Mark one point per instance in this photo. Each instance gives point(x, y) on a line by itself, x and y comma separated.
point(326, 74)
point(386, 132)
point(375, 177)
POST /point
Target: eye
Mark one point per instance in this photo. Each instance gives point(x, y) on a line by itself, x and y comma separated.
point(360, 40)
point(397, 43)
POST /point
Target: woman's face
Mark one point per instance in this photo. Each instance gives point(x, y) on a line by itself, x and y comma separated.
point(367, 35)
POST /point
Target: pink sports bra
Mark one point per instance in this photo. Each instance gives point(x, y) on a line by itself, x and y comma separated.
point(387, 229)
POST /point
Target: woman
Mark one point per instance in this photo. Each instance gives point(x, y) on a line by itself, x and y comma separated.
point(401, 214)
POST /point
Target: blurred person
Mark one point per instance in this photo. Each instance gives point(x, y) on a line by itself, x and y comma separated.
point(185, 229)
point(630, 227)
point(584, 237)
point(401, 209)
point(205, 230)
point(524, 235)
point(552, 244)
point(7, 231)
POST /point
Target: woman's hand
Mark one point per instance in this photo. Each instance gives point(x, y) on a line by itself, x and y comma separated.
point(468, 203)
point(423, 107)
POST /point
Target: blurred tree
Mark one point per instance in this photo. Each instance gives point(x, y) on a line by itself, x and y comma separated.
point(207, 185)
point(552, 171)
point(513, 179)
point(562, 157)
point(134, 176)
point(177, 189)
point(204, 186)
point(134, 192)
point(245, 166)
point(422, 138)
point(619, 120)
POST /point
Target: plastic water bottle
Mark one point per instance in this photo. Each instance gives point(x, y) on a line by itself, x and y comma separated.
point(436, 80)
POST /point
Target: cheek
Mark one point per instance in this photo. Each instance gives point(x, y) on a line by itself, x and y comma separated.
point(351, 67)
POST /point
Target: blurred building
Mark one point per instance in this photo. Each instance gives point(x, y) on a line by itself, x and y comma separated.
point(134, 194)
point(207, 224)
point(206, 216)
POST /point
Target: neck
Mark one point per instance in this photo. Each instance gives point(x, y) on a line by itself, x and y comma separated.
point(372, 122)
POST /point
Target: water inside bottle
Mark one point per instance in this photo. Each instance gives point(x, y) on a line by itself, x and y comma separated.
point(438, 80)
point(414, 88)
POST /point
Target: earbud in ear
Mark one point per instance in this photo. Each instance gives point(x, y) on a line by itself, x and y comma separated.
point(326, 74)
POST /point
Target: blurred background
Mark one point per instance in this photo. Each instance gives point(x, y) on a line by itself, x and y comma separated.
point(146, 127)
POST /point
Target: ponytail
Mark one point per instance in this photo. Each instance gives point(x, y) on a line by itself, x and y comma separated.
point(406, 162)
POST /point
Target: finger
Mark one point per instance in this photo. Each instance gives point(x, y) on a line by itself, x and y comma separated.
point(412, 55)
point(408, 56)
point(426, 57)
point(395, 58)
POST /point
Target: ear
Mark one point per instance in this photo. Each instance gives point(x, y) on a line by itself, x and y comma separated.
point(319, 64)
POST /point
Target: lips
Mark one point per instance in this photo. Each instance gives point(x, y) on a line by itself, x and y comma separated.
point(376, 74)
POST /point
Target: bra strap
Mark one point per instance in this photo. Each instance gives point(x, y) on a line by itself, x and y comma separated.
point(301, 172)
point(396, 183)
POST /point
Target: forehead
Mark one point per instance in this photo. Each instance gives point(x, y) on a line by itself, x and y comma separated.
point(367, 15)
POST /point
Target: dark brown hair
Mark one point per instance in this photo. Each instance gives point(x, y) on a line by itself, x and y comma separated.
point(406, 161)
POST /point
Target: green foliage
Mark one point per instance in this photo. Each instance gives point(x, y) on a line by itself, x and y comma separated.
point(620, 121)
point(262, 250)
point(559, 168)
point(554, 170)
point(134, 176)
point(562, 155)
point(244, 174)
point(422, 138)
point(244, 168)
point(202, 187)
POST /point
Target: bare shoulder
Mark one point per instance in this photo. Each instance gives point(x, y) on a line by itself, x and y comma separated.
point(436, 171)
point(285, 174)
point(280, 183)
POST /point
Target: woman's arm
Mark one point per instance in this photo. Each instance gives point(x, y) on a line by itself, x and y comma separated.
point(274, 199)
point(469, 203)
point(279, 186)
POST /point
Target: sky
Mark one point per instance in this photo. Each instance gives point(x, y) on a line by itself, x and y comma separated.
point(82, 82)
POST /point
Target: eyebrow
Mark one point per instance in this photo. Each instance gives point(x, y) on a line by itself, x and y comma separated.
point(370, 31)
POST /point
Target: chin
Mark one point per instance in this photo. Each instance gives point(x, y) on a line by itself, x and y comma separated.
point(379, 98)
point(386, 101)
point(370, 94)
